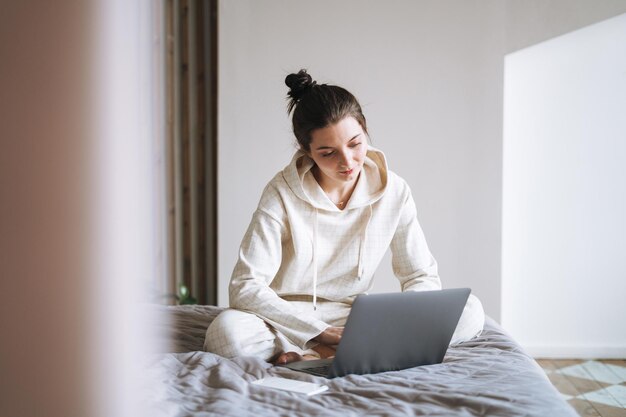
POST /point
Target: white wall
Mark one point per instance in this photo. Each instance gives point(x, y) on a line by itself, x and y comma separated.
point(564, 198)
point(429, 75)
point(529, 22)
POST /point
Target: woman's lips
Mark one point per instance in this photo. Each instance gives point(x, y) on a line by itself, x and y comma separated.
point(348, 172)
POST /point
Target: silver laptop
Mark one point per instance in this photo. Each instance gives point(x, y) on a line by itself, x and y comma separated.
point(390, 332)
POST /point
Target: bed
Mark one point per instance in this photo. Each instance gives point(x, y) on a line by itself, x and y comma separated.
point(488, 376)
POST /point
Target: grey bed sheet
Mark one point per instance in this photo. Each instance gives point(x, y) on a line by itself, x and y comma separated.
point(487, 376)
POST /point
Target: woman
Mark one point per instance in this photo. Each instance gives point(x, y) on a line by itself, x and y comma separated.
point(320, 230)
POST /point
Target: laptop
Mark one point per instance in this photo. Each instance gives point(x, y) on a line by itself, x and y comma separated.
point(390, 332)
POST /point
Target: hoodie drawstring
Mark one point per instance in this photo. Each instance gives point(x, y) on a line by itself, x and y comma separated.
point(315, 262)
point(362, 245)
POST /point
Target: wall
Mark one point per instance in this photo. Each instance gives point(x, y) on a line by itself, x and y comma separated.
point(529, 22)
point(429, 75)
point(564, 194)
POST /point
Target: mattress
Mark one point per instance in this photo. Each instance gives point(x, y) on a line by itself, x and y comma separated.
point(490, 375)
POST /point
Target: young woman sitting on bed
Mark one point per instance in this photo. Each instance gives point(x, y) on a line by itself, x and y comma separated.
point(318, 234)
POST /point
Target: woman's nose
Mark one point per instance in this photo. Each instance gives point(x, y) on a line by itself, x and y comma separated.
point(344, 159)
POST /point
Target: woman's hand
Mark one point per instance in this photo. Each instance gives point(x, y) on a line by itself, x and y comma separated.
point(330, 337)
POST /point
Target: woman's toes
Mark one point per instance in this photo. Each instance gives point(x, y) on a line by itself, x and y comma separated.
point(288, 357)
point(325, 351)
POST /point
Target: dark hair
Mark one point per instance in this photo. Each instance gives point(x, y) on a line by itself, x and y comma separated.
point(316, 106)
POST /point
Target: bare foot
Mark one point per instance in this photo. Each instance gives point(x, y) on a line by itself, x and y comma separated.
point(325, 351)
point(288, 357)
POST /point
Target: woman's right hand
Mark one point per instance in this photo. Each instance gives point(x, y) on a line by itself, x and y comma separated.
point(330, 337)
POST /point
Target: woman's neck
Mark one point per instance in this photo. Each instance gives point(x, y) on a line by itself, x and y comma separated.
point(338, 192)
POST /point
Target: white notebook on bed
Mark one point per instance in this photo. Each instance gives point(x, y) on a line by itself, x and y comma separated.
point(292, 385)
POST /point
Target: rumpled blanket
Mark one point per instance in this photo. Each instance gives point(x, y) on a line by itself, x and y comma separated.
point(490, 375)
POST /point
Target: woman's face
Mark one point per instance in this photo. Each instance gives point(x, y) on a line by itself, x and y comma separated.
point(339, 152)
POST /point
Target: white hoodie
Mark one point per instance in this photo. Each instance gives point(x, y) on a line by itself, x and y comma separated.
point(300, 243)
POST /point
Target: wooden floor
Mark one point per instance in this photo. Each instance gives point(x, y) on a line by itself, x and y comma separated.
point(592, 387)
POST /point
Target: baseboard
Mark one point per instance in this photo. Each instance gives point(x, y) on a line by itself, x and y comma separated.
point(576, 352)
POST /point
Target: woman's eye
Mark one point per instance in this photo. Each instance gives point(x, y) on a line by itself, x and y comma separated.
point(355, 145)
point(326, 155)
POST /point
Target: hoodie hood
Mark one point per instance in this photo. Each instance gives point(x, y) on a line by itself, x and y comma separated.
point(370, 187)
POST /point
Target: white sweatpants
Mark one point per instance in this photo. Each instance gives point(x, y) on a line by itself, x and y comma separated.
point(239, 333)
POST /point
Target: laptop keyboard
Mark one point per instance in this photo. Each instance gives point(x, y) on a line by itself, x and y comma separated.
point(321, 370)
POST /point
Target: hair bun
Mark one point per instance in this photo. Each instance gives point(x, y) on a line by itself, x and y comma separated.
point(298, 85)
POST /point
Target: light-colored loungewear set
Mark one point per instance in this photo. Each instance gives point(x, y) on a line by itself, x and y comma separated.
point(303, 261)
